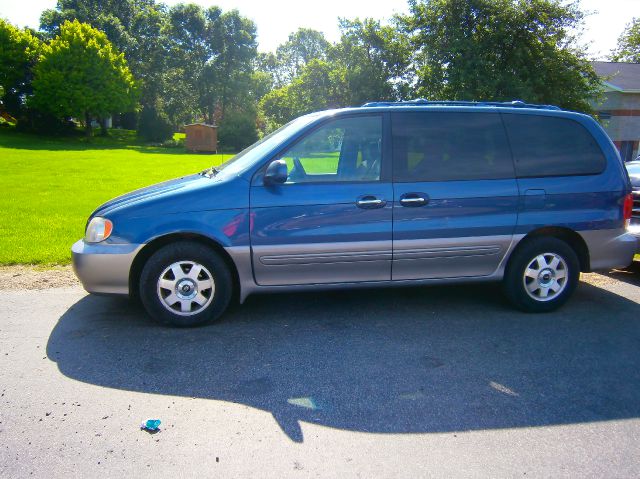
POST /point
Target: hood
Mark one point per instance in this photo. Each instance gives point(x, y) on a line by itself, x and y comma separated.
point(142, 193)
point(633, 168)
point(173, 196)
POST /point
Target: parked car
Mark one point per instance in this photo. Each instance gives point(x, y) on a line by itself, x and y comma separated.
point(409, 193)
point(633, 168)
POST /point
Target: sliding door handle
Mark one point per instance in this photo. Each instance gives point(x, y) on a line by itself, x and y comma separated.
point(414, 199)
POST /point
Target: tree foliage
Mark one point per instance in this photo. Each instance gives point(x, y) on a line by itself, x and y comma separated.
point(368, 63)
point(500, 50)
point(191, 63)
point(201, 64)
point(18, 54)
point(320, 86)
point(153, 126)
point(628, 49)
point(291, 57)
point(375, 60)
point(238, 130)
point(214, 52)
point(81, 75)
point(134, 27)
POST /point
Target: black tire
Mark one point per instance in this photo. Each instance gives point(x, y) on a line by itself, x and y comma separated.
point(182, 253)
point(514, 281)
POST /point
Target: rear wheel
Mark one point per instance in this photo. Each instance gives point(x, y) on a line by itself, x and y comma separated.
point(185, 284)
point(541, 275)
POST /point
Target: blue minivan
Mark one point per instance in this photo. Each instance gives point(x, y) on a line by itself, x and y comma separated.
point(405, 193)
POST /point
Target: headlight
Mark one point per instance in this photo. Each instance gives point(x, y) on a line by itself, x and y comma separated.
point(99, 229)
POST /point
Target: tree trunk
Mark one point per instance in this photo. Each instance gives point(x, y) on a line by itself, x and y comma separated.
point(103, 126)
point(87, 124)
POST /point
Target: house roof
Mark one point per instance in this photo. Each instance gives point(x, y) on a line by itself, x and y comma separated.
point(622, 77)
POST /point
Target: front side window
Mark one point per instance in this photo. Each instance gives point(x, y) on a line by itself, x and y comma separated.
point(348, 149)
point(449, 146)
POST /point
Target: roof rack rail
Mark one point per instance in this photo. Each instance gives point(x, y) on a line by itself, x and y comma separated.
point(423, 102)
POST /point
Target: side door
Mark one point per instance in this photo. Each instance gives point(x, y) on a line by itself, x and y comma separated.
point(331, 221)
point(456, 198)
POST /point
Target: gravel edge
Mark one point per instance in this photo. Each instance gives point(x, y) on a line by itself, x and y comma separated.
point(27, 277)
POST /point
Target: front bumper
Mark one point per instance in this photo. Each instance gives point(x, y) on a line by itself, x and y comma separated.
point(103, 267)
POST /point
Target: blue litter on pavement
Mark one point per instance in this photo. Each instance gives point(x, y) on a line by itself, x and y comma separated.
point(151, 425)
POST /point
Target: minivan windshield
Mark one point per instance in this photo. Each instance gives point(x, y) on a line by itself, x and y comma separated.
point(247, 157)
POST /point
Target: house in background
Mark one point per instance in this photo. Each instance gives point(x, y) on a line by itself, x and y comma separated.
point(620, 111)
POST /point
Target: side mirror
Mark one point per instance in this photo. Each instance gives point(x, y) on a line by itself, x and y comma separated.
point(277, 173)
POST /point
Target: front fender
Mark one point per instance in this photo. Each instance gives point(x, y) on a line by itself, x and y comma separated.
point(229, 228)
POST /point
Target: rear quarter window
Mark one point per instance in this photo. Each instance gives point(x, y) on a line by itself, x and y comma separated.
point(550, 146)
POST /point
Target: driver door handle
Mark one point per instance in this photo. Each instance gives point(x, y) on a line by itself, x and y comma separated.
point(370, 202)
point(414, 199)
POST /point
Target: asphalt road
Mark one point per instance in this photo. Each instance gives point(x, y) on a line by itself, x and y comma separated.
point(421, 382)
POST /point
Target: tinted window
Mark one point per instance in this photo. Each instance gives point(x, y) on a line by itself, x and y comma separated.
point(348, 149)
point(550, 146)
point(447, 146)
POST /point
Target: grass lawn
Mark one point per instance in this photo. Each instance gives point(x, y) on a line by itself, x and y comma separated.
point(50, 185)
point(317, 163)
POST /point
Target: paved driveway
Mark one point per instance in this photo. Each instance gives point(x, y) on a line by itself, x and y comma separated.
point(414, 382)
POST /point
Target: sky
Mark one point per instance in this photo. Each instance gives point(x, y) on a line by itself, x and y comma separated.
point(276, 19)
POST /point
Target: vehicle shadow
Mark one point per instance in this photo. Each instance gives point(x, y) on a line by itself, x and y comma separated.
point(440, 359)
point(630, 274)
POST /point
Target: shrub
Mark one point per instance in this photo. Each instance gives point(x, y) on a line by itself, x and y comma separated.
point(36, 121)
point(81, 75)
point(152, 126)
point(128, 121)
point(237, 130)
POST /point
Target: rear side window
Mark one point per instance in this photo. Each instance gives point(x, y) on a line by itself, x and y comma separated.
point(550, 146)
point(449, 146)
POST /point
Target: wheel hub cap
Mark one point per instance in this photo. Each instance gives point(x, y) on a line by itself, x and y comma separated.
point(545, 278)
point(186, 288)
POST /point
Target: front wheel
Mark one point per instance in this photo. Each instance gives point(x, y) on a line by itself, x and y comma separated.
point(541, 275)
point(185, 284)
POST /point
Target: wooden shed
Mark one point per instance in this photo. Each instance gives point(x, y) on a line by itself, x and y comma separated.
point(201, 137)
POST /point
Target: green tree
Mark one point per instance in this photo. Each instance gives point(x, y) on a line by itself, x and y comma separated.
point(236, 58)
point(18, 55)
point(81, 75)
point(320, 86)
point(301, 47)
point(188, 43)
point(628, 49)
point(216, 52)
point(125, 22)
point(375, 59)
point(134, 27)
point(500, 50)
point(368, 63)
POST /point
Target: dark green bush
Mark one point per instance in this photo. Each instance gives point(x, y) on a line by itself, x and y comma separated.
point(35, 121)
point(128, 120)
point(152, 126)
point(237, 131)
